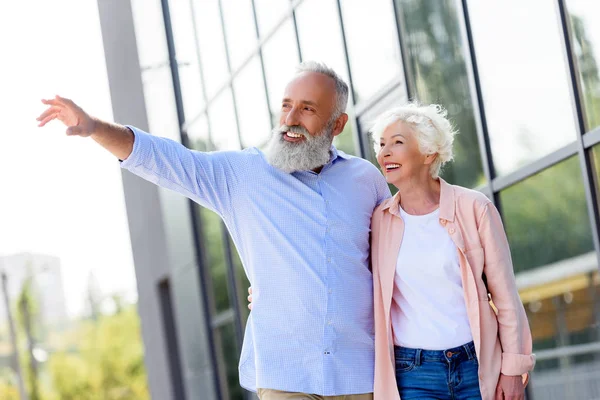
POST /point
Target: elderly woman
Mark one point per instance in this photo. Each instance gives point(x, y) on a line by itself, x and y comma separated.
point(438, 252)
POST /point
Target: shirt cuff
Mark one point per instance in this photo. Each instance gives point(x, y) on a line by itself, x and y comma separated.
point(139, 143)
point(517, 364)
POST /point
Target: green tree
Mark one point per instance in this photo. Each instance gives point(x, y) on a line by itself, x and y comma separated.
point(109, 364)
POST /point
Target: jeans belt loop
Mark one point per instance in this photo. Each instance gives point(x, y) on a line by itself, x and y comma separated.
point(467, 348)
point(418, 357)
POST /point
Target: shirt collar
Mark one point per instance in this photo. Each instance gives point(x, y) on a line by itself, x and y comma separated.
point(335, 153)
point(446, 202)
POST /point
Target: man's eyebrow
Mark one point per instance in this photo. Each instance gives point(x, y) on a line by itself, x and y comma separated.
point(307, 102)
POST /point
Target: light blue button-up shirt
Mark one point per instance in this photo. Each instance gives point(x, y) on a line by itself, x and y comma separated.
point(303, 239)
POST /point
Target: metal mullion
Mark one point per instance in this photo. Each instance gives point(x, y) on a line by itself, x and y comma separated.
point(366, 105)
point(585, 160)
point(262, 64)
point(359, 144)
point(404, 53)
point(196, 226)
point(201, 70)
point(481, 127)
point(592, 138)
point(228, 59)
point(502, 182)
point(296, 32)
point(233, 74)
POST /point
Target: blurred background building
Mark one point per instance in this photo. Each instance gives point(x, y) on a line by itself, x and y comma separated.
point(46, 279)
point(520, 81)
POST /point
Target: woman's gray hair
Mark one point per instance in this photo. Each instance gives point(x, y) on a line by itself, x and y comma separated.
point(341, 88)
point(432, 129)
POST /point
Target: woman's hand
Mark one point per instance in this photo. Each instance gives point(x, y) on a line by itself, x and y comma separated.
point(250, 297)
point(510, 388)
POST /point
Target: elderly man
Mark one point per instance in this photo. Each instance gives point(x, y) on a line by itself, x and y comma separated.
point(300, 217)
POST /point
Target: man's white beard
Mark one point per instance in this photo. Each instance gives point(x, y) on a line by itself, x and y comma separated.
point(307, 155)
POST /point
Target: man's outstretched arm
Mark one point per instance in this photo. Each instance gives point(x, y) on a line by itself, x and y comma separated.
point(117, 139)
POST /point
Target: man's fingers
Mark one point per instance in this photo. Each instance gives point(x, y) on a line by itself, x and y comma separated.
point(51, 102)
point(65, 102)
point(47, 119)
point(250, 290)
point(49, 111)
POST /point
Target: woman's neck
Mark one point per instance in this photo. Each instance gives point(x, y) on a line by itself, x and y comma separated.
point(419, 196)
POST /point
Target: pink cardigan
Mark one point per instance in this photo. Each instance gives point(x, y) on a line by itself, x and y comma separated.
point(503, 339)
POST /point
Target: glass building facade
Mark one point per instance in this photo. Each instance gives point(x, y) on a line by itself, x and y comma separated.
point(521, 83)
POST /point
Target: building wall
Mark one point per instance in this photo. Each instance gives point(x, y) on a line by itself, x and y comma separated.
point(520, 81)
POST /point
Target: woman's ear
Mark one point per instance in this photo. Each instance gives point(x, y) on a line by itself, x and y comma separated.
point(430, 158)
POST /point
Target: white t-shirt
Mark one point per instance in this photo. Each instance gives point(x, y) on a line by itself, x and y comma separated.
point(428, 308)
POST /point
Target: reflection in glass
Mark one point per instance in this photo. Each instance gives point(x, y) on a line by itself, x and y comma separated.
point(160, 102)
point(596, 171)
point(345, 140)
point(269, 13)
point(224, 132)
point(187, 57)
point(373, 51)
point(212, 45)
point(243, 284)
point(239, 29)
point(253, 113)
point(214, 256)
point(546, 217)
point(225, 339)
point(281, 59)
point(435, 48)
point(524, 80)
point(323, 44)
point(585, 39)
point(548, 228)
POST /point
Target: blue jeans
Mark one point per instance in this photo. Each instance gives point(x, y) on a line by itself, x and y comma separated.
point(438, 375)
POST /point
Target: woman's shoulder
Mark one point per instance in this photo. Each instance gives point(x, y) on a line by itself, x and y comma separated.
point(465, 197)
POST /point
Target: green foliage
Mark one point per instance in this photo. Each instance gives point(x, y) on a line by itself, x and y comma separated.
point(109, 365)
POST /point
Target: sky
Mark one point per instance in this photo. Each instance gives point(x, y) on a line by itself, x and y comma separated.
point(59, 195)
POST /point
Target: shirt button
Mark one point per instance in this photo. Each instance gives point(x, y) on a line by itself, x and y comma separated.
point(330, 291)
point(329, 260)
point(330, 322)
point(451, 230)
point(443, 221)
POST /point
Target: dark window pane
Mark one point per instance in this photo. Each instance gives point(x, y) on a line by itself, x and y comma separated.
point(225, 339)
point(556, 269)
point(240, 30)
point(243, 284)
point(586, 46)
point(214, 257)
point(596, 169)
point(524, 80)
point(187, 54)
point(345, 141)
point(212, 44)
point(435, 48)
point(546, 217)
point(269, 13)
point(223, 128)
point(253, 112)
point(281, 58)
point(372, 45)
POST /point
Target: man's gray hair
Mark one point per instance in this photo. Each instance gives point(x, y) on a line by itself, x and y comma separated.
point(341, 87)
